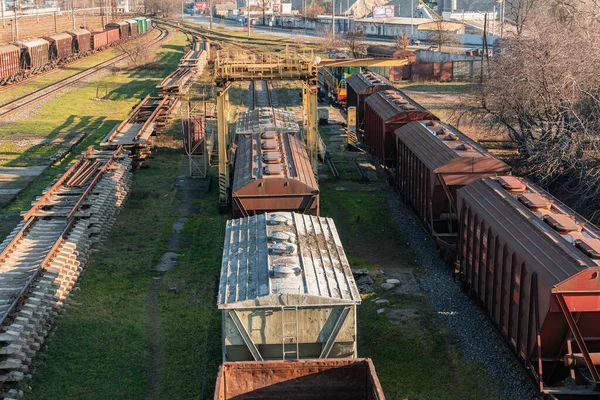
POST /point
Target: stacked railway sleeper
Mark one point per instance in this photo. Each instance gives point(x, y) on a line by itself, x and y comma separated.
point(43, 257)
point(192, 64)
point(528, 260)
point(24, 58)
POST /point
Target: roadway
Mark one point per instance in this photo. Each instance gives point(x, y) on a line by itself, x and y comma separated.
point(308, 35)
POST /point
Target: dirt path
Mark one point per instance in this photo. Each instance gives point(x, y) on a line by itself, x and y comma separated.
point(188, 191)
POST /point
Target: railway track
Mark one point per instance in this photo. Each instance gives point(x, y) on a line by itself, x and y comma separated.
point(23, 101)
point(41, 260)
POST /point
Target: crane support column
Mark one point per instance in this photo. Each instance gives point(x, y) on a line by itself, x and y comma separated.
point(312, 116)
point(223, 141)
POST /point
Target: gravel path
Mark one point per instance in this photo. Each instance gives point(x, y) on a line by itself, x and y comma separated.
point(477, 340)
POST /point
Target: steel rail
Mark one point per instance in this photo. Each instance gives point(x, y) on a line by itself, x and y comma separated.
point(30, 98)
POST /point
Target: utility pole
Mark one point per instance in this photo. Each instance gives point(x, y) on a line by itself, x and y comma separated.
point(2, 8)
point(332, 21)
point(347, 15)
point(248, 12)
point(73, 12)
point(210, 12)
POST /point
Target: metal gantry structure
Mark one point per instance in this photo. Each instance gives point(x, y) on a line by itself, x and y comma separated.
point(248, 67)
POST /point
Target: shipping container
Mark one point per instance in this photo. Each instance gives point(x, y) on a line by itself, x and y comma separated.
point(35, 54)
point(82, 41)
point(286, 290)
point(99, 39)
point(352, 379)
point(273, 172)
point(123, 28)
point(112, 36)
point(9, 63)
point(434, 160)
point(133, 28)
point(386, 111)
point(359, 87)
point(533, 265)
point(61, 46)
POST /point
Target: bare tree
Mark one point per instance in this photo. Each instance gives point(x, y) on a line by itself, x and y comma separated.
point(402, 41)
point(355, 41)
point(314, 10)
point(549, 104)
point(520, 12)
point(441, 34)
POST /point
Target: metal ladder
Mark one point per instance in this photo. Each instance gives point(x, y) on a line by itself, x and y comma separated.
point(289, 338)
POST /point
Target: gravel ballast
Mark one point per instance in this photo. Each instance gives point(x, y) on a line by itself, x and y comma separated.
point(477, 340)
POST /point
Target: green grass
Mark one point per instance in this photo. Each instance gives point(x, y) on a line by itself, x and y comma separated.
point(65, 72)
point(77, 111)
point(416, 359)
point(438, 87)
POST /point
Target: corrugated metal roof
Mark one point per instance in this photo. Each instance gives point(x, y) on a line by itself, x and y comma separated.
point(266, 119)
point(294, 159)
point(390, 103)
point(78, 32)
point(32, 43)
point(284, 259)
point(554, 256)
point(8, 48)
point(436, 144)
point(58, 36)
point(364, 80)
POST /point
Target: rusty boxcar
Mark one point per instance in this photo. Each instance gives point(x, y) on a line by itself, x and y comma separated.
point(273, 172)
point(123, 28)
point(434, 160)
point(35, 55)
point(359, 87)
point(353, 379)
point(112, 36)
point(133, 28)
point(533, 265)
point(9, 64)
point(82, 41)
point(99, 39)
point(61, 47)
point(286, 290)
point(385, 112)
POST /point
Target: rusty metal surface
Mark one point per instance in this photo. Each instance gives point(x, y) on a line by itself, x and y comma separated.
point(523, 259)
point(36, 53)
point(82, 40)
point(99, 39)
point(133, 28)
point(9, 61)
point(433, 161)
point(112, 36)
point(194, 133)
point(122, 26)
point(386, 111)
point(61, 46)
point(349, 379)
point(254, 245)
point(273, 172)
point(360, 86)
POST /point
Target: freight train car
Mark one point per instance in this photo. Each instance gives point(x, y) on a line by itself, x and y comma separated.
point(123, 28)
point(286, 290)
point(99, 39)
point(359, 87)
point(273, 172)
point(434, 160)
point(386, 111)
point(61, 47)
point(265, 119)
point(351, 379)
point(112, 36)
point(35, 55)
point(82, 41)
point(533, 264)
point(10, 70)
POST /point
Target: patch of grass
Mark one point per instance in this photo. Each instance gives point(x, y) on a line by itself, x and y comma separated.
point(415, 358)
point(438, 87)
point(77, 111)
